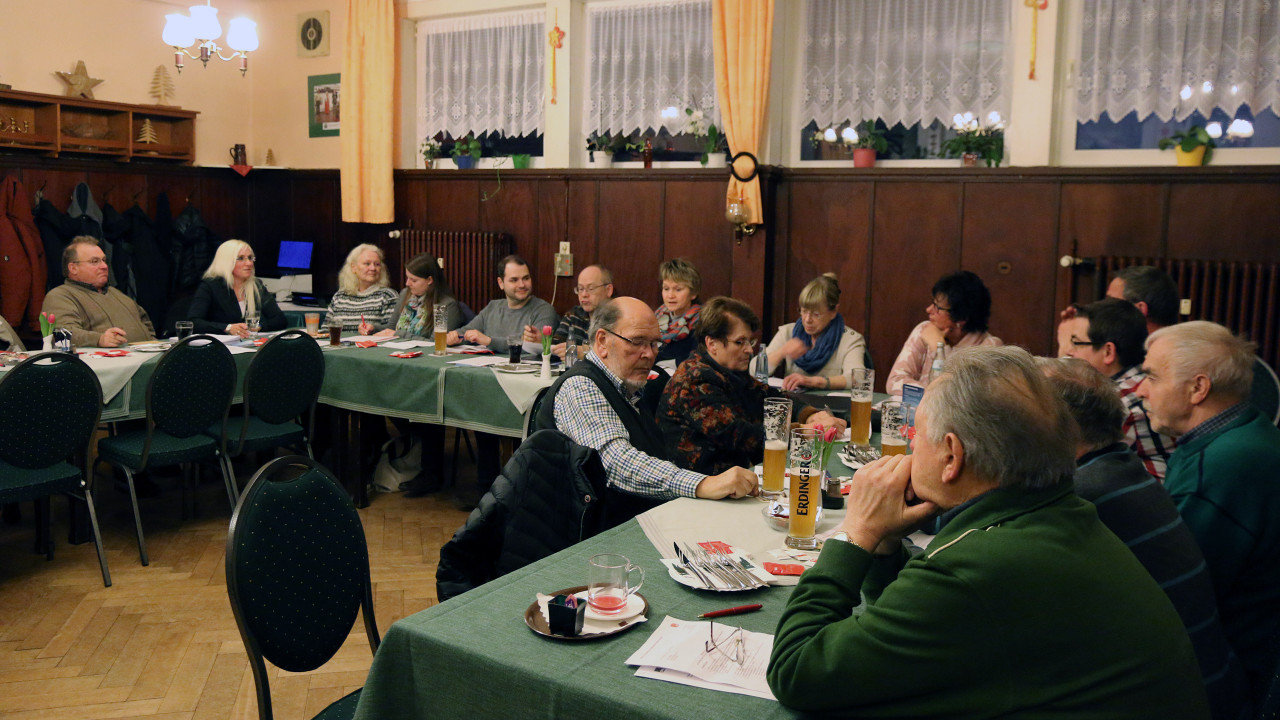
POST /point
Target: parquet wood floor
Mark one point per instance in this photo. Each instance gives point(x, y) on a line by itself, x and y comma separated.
point(161, 642)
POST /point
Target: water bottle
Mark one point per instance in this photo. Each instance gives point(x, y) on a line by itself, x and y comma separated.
point(938, 361)
point(762, 366)
point(570, 351)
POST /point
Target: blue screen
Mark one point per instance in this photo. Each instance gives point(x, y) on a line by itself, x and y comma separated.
point(295, 255)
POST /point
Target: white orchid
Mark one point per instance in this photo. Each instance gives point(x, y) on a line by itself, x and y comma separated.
point(849, 135)
point(829, 135)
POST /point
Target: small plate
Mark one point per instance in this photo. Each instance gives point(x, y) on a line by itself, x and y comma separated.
point(517, 368)
point(636, 604)
point(533, 618)
point(151, 347)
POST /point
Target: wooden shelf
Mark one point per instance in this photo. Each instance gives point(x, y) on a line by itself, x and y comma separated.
point(52, 125)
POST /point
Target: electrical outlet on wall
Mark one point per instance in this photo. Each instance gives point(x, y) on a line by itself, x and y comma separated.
point(1184, 307)
point(564, 261)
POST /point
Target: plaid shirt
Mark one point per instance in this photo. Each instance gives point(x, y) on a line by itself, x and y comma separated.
point(574, 323)
point(1215, 423)
point(1152, 448)
point(583, 413)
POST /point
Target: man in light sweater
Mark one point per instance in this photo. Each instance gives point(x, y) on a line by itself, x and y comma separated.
point(510, 315)
point(96, 315)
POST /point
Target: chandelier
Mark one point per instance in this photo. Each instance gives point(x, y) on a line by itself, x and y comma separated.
point(202, 28)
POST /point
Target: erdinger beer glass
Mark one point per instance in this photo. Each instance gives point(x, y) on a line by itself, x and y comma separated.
point(805, 493)
point(861, 381)
point(777, 423)
point(893, 425)
point(440, 320)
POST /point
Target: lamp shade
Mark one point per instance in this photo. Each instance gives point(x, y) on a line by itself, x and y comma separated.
point(204, 22)
point(177, 30)
point(242, 35)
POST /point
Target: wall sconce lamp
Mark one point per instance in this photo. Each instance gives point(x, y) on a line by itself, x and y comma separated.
point(736, 211)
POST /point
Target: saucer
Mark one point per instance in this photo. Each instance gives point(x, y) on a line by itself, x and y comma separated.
point(635, 605)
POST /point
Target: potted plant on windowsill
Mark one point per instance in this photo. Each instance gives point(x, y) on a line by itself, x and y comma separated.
point(466, 152)
point(974, 142)
point(1193, 146)
point(430, 151)
point(867, 141)
point(598, 155)
point(708, 137)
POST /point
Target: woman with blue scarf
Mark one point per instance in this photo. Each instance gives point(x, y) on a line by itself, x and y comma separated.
point(819, 351)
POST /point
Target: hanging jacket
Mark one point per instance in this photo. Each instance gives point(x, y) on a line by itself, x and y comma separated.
point(23, 271)
point(88, 217)
point(150, 263)
point(56, 230)
point(116, 233)
point(192, 250)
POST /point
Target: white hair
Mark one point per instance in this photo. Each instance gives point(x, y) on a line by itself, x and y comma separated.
point(347, 282)
point(1202, 347)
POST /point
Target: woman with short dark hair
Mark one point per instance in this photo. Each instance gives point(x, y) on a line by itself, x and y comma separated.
point(958, 313)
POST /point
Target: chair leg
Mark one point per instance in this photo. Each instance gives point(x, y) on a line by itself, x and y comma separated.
point(137, 517)
point(97, 536)
point(229, 479)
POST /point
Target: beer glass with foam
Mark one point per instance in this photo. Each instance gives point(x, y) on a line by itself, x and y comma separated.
point(440, 321)
point(805, 493)
point(893, 426)
point(777, 423)
point(861, 380)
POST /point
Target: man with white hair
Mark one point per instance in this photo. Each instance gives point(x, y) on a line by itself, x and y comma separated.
point(1024, 604)
point(1224, 477)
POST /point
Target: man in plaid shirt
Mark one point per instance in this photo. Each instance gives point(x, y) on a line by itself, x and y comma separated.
point(1109, 335)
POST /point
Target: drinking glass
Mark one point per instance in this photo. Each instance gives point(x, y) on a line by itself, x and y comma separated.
point(253, 321)
point(861, 380)
point(440, 321)
point(777, 423)
point(806, 489)
point(609, 582)
point(514, 344)
point(313, 323)
point(183, 328)
point(893, 423)
point(335, 332)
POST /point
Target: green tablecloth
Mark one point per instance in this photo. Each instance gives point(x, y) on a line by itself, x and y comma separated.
point(131, 402)
point(474, 657)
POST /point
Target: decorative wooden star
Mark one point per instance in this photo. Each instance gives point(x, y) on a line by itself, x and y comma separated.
point(79, 84)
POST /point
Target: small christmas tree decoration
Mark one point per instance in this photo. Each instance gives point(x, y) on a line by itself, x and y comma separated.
point(147, 134)
point(271, 157)
point(162, 86)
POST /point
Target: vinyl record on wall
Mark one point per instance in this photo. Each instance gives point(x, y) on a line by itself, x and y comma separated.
point(313, 33)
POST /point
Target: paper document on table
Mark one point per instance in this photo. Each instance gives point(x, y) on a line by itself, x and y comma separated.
point(224, 339)
point(676, 651)
point(775, 382)
point(480, 361)
point(467, 348)
point(409, 344)
point(368, 338)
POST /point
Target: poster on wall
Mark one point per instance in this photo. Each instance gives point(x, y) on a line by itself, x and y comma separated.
point(324, 96)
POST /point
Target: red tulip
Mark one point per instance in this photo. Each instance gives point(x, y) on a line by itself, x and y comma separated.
point(830, 435)
point(546, 329)
point(818, 427)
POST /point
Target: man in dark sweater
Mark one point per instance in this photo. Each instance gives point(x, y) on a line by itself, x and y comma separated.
point(1135, 507)
point(1224, 477)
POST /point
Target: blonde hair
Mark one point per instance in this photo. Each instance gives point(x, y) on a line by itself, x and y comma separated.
point(347, 282)
point(822, 290)
point(681, 271)
point(223, 268)
point(1204, 347)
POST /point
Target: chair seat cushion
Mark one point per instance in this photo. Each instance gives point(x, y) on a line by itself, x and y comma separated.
point(18, 484)
point(261, 435)
point(126, 449)
point(342, 709)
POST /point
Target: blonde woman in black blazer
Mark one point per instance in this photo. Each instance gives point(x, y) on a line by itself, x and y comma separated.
point(229, 290)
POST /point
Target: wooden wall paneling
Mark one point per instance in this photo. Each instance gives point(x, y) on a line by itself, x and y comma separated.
point(1107, 218)
point(118, 189)
point(830, 232)
point(1224, 221)
point(694, 228)
point(316, 212)
point(513, 209)
point(182, 190)
point(777, 259)
point(56, 184)
point(450, 204)
point(581, 201)
point(270, 210)
point(1010, 241)
point(916, 240)
point(630, 236)
point(551, 196)
point(224, 198)
point(410, 190)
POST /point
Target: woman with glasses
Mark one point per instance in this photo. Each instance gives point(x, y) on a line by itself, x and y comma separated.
point(959, 308)
point(712, 411)
point(818, 350)
point(230, 293)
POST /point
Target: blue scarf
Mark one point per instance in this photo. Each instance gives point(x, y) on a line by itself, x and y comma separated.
point(820, 351)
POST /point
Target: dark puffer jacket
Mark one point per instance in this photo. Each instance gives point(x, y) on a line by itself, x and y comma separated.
point(549, 496)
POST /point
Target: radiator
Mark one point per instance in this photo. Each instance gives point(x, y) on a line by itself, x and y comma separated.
point(1243, 296)
point(467, 258)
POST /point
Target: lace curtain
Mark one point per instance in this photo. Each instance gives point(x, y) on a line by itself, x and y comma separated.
point(647, 57)
point(904, 62)
point(482, 73)
point(1139, 55)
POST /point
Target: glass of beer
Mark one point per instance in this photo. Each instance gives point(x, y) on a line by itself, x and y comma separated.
point(861, 381)
point(777, 423)
point(805, 493)
point(440, 320)
point(893, 425)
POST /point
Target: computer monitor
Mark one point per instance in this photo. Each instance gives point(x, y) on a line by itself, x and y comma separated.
point(295, 255)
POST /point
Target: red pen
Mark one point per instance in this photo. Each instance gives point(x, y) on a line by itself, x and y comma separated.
point(731, 611)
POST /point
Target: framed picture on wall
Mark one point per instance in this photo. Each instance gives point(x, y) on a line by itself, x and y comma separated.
point(324, 97)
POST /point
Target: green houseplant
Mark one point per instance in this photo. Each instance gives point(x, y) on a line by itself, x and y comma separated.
point(707, 135)
point(868, 140)
point(975, 142)
point(466, 152)
point(430, 150)
point(1194, 146)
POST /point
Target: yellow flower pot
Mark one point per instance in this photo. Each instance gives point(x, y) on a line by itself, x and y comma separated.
point(1195, 158)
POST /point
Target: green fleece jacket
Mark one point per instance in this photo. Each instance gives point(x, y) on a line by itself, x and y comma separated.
point(1227, 487)
point(1024, 605)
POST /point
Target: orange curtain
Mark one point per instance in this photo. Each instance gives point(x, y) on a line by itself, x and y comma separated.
point(368, 111)
point(742, 33)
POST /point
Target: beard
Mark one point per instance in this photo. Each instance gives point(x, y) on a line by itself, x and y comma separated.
point(633, 387)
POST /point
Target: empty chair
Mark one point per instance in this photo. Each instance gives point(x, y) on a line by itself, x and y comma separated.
point(190, 391)
point(61, 401)
point(1265, 392)
point(297, 573)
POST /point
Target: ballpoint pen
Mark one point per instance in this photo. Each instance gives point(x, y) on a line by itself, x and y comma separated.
point(741, 609)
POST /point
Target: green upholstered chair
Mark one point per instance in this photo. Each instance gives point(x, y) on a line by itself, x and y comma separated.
point(280, 392)
point(61, 402)
point(297, 573)
point(190, 391)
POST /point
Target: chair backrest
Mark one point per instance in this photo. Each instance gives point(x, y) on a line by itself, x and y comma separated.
point(192, 386)
point(1265, 393)
point(297, 568)
point(61, 400)
point(284, 379)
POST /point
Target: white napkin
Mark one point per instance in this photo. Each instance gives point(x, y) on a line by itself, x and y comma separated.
point(590, 625)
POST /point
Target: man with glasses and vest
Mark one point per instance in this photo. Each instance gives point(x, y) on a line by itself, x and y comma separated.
point(97, 315)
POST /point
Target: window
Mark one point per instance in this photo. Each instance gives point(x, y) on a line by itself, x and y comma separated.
point(644, 59)
point(1149, 68)
point(909, 66)
point(483, 76)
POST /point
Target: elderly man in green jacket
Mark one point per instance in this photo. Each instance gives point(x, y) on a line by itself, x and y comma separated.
point(1023, 605)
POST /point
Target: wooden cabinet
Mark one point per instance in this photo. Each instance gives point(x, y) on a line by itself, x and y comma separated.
point(58, 126)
